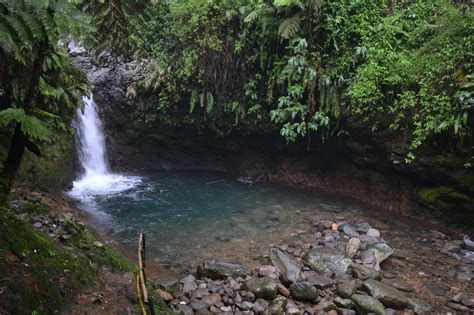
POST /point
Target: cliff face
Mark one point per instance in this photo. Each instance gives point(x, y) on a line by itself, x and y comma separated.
point(364, 166)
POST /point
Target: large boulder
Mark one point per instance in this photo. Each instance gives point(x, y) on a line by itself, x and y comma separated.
point(265, 288)
point(367, 304)
point(303, 291)
point(221, 270)
point(363, 273)
point(289, 270)
point(388, 295)
point(327, 260)
point(277, 307)
point(346, 288)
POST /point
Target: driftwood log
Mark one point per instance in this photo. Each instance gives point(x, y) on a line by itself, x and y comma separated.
point(142, 292)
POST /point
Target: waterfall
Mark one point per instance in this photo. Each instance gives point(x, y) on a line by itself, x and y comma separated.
point(90, 145)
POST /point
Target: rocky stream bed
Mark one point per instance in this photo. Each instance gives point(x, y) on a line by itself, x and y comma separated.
point(347, 268)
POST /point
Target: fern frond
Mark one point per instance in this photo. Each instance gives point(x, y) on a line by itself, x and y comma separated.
point(288, 3)
point(289, 27)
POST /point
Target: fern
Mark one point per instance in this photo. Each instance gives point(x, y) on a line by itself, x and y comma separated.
point(30, 125)
point(288, 3)
point(289, 27)
point(209, 102)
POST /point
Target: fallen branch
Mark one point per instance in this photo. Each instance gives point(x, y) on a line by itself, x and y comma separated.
point(142, 292)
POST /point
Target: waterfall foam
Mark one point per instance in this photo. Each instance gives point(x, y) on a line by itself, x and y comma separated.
point(90, 144)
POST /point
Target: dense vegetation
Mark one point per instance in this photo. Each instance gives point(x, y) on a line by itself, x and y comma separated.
point(305, 67)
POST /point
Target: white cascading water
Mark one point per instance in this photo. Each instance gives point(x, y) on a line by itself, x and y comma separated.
point(90, 144)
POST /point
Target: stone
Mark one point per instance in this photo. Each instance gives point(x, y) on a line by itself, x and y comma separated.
point(184, 309)
point(223, 238)
point(324, 305)
point(221, 270)
point(38, 225)
point(283, 290)
point(468, 243)
point(212, 299)
point(388, 295)
point(265, 288)
point(98, 244)
point(268, 271)
point(362, 227)
point(277, 307)
point(320, 282)
point(367, 304)
point(382, 251)
point(420, 306)
point(373, 233)
point(363, 273)
point(368, 259)
point(167, 297)
point(345, 289)
point(327, 260)
point(399, 284)
point(352, 247)
point(171, 286)
point(288, 269)
point(345, 311)
point(349, 230)
point(436, 289)
point(303, 291)
point(344, 303)
point(260, 305)
point(189, 283)
point(457, 307)
point(197, 304)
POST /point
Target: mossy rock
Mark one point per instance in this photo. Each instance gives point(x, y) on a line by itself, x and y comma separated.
point(448, 204)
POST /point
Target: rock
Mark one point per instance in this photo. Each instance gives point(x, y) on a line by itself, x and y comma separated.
point(345, 289)
point(327, 260)
point(320, 282)
point(468, 243)
point(189, 283)
point(197, 304)
point(436, 289)
point(265, 288)
point(277, 307)
point(373, 233)
point(367, 304)
point(349, 230)
point(352, 247)
point(289, 270)
point(185, 309)
point(399, 284)
point(303, 291)
point(223, 238)
point(221, 270)
point(457, 307)
point(345, 311)
point(268, 271)
point(38, 225)
point(324, 305)
point(226, 309)
point(171, 286)
point(283, 290)
point(293, 309)
point(98, 244)
point(388, 295)
point(369, 260)
point(419, 306)
point(260, 305)
point(344, 303)
point(362, 227)
point(167, 297)
point(212, 299)
point(363, 273)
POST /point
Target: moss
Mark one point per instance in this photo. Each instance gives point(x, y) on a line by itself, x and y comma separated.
point(37, 274)
point(448, 204)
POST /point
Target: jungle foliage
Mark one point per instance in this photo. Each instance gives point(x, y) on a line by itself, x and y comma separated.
point(307, 66)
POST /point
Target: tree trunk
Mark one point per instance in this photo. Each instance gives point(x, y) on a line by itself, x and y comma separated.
point(12, 163)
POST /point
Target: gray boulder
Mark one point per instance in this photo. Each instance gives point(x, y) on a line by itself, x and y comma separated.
point(327, 260)
point(289, 270)
point(303, 291)
point(222, 270)
point(265, 288)
point(388, 295)
point(367, 304)
point(345, 289)
point(419, 306)
point(277, 307)
point(363, 273)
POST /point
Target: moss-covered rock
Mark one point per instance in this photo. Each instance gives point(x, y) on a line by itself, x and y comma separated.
point(448, 204)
